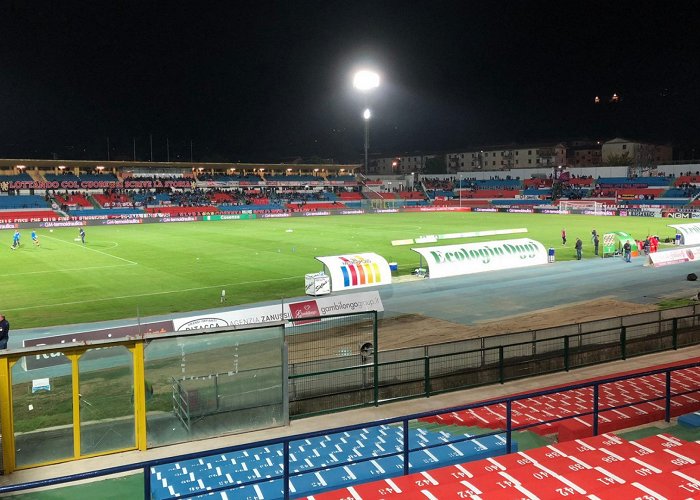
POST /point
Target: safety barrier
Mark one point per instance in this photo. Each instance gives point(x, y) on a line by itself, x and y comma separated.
point(424, 371)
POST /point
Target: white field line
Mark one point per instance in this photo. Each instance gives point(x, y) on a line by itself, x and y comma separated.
point(106, 299)
point(91, 249)
point(65, 270)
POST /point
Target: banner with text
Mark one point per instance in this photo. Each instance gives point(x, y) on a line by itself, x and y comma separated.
point(313, 308)
point(356, 271)
point(674, 256)
point(455, 260)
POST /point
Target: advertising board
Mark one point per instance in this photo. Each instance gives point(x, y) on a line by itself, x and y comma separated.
point(322, 306)
point(356, 271)
point(674, 256)
point(455, 260)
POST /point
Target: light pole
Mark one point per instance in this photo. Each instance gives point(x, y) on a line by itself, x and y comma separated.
point(460, 189)
point(366, 115)
point(366, 81)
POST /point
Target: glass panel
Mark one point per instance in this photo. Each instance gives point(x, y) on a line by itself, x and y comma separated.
point(213, 384)
point(106, 400)
point(42, 406)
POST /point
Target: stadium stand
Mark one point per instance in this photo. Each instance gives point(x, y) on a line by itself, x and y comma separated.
point(104, 177)
point(112, 200)
point(182, 210)
point(350, 196)
point(451, 457)
point(73, 200)
point(601, 467)
point(67, 176)
point(22, 202)
point(345, 458)
point(23, 177)
point(105, 211)
point(28, 215)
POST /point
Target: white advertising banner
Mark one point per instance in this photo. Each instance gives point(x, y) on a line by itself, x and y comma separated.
point(455, 260)
point(356, 271)
point(690, 233)
point(675, 256)
point(312, 308)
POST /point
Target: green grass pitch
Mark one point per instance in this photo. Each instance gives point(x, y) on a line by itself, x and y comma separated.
point(150, 269)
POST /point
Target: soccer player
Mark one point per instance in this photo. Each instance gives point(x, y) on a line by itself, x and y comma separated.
point(82, 235)
point(35, 238)
point(15, 240)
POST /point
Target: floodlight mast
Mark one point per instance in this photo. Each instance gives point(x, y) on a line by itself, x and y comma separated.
point(366, 81)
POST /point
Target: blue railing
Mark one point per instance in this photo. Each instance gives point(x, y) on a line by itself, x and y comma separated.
point(146, 466)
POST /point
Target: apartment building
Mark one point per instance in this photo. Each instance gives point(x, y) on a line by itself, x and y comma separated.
point(493, 158)
point(507, 157)
point(635, 153)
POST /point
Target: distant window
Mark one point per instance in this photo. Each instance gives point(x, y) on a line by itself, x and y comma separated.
point(472, 164)
point(529, 162)
point(529, 151)
point(494, 163)
point(502, 162)
point(516, 153)
point(461, 164)
point(624, 146)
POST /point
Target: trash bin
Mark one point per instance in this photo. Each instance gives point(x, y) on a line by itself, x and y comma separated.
point(678, 239)
point(550, 255)
point(393, 266)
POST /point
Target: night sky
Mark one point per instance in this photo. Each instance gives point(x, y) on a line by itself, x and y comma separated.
point(271, 81)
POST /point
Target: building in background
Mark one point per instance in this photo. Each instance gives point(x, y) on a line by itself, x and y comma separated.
point(639, 156)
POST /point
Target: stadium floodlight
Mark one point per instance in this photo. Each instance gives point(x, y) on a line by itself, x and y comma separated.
point(365, 80)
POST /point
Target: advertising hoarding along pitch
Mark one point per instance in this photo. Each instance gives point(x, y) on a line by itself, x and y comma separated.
point(455, 260)
point(321, 306)
point(675, 256)
point(690, 233)
point(356, 271)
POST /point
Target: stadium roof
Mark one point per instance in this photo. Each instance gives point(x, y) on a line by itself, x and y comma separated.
point(110, 165)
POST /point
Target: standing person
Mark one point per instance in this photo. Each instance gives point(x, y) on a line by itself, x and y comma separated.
point(82, 235)
point(4, 332)
point(15, 240)
point(627, 251)
point(563, 236)
point(596, 242)
point(579, 247)
point(594, 235)
point(223, 295)
point(35, 238)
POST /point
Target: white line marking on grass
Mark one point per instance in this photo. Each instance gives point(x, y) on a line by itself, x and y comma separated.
point(92, 249)
point(65, 270)
point(104, 299)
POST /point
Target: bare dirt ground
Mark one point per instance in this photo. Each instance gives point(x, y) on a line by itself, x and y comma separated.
point(414, 330)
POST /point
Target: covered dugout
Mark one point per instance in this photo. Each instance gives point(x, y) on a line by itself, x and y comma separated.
point(613, 242)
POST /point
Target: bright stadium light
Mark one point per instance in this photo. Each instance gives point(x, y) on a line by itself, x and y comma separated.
point(365, 80)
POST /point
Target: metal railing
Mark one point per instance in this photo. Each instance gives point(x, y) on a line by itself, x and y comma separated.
point(403, 421)
point(424, 371)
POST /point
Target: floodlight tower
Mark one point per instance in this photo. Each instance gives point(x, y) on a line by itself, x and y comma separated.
point(365, 81)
